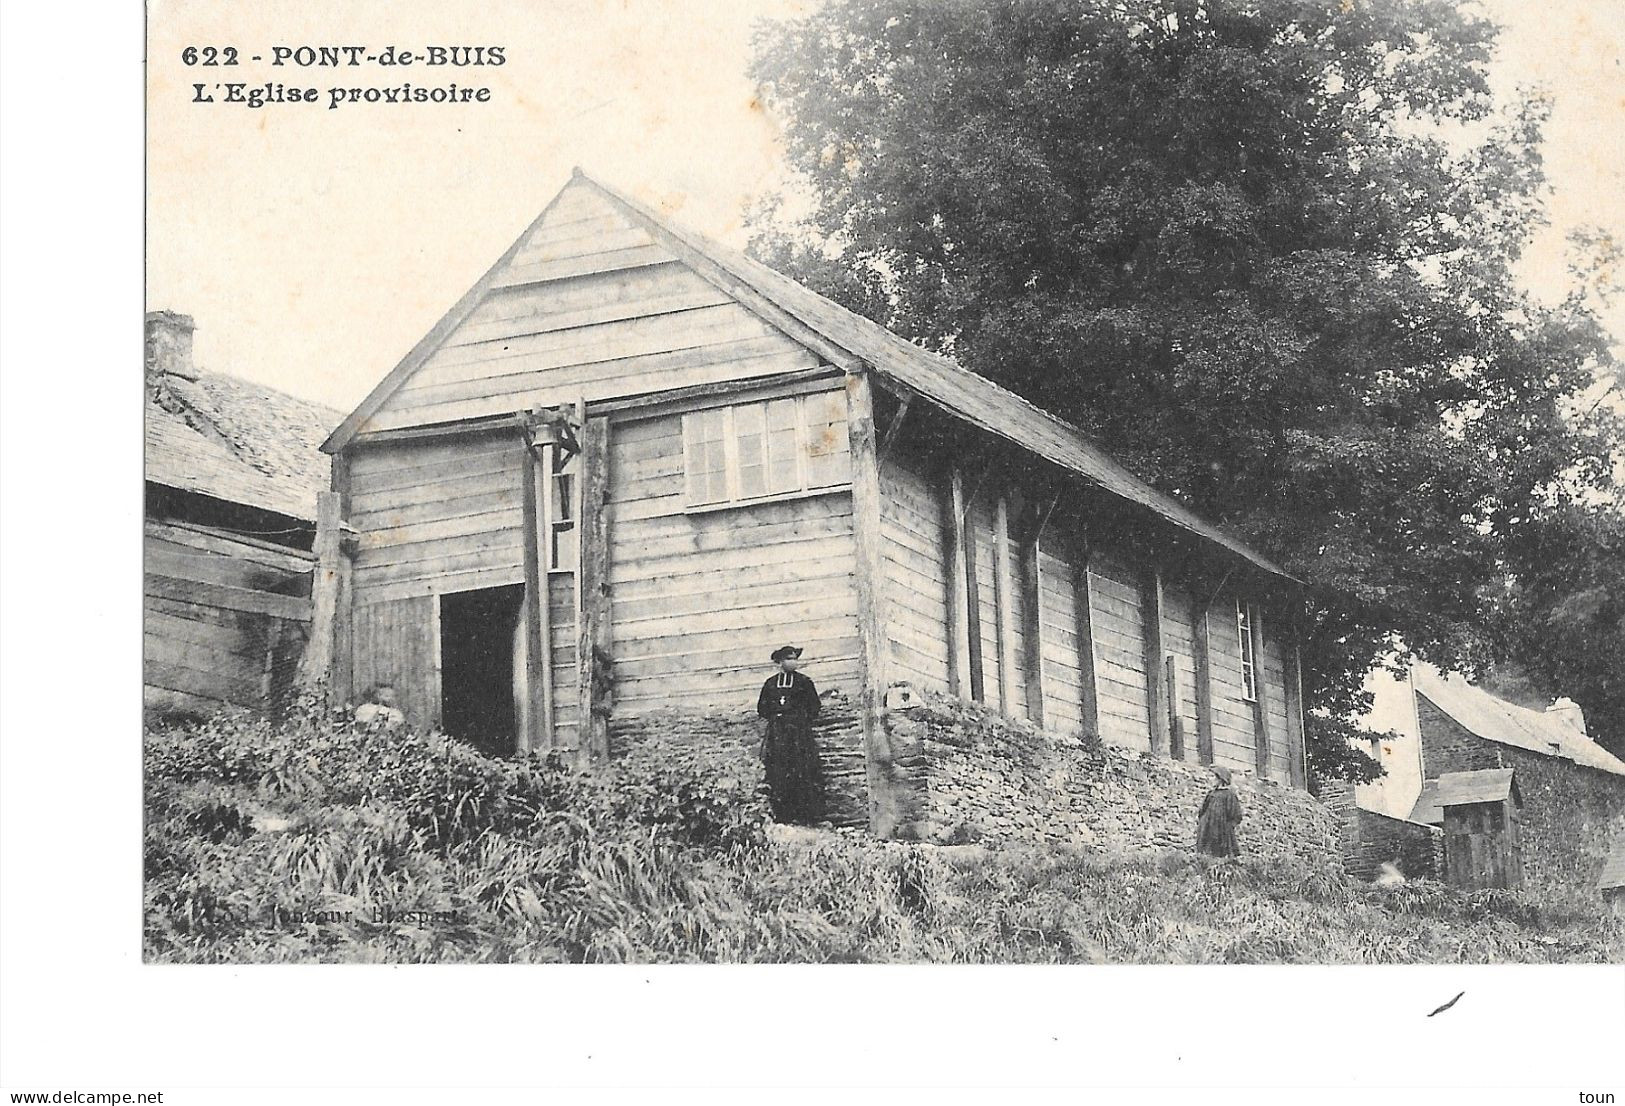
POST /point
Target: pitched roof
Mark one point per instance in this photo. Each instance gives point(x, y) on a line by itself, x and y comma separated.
point(1427, 809)
point(235, 440)
point(849, 339)
point(1494, 719)
point(940, 380)
point(1486, 785)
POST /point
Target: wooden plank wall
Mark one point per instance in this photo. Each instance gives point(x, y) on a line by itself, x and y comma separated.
point(561, 591)
point(919, 581)
point(589, 306)
point(1058, 636)
point(699, 599)
point(916, 585)
point(1274, 669)
point(1119, 653)
point(217, 609)
point(438, 515)
point(396, 642)
point(1176, 630)
point(435, 517)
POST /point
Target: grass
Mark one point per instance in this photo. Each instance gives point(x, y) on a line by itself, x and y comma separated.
point(253, 828)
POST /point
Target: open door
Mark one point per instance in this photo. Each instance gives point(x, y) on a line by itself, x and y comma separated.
point(478, 685)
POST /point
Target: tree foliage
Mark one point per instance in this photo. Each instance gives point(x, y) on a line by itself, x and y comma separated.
point(1262, 251)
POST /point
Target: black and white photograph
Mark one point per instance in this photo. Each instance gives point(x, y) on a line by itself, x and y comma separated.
point(1071, 484)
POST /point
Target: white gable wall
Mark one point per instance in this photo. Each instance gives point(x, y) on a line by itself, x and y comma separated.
point(589, 306)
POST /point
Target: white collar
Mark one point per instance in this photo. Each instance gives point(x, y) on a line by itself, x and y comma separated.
point(786, 679)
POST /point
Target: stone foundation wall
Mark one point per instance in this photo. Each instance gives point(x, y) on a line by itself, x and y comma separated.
point(959, 771)
point(730, 743)
point(1415, 848)
point(1369, 839)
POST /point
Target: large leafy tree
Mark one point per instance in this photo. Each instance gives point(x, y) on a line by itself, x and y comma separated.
point(1263, 251)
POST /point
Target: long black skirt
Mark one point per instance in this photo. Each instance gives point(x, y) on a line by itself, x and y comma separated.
point(795, 778)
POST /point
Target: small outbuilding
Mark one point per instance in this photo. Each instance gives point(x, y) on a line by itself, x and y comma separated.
point(232, 474)
point(1481, 813)
point(1612, 881)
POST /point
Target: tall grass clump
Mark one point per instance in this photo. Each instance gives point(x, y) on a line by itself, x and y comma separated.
point(311, 839)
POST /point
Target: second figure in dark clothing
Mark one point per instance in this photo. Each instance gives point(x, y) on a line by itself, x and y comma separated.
point(795, 779)
point(1217, 820)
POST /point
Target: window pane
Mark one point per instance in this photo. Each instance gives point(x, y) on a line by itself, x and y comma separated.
point(1244, 634)
point(707, 476)
point(782, 472)
point(748, 440)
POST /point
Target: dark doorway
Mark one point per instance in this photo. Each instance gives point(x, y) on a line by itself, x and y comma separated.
point(476, 666)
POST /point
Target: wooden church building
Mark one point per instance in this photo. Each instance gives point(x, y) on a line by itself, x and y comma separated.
point(630, 461)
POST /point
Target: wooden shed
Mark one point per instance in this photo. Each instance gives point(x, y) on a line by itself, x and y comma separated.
point(630, 461)
point(1483, 838)
point(232, 474)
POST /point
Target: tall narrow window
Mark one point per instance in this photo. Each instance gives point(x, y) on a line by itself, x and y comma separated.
point(750, 447)
point(1249, 667)
point(783, 445)
point(705, 455)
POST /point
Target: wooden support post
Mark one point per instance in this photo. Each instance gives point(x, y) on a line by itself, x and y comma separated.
point(1176, 720)
point(1004, 633)
point(893, 428)
point(1083, 604)
point(973, 603)
point(1201, 643)
point(1261, 714)
point(1033, 624)
point(341, 683)
point(537, 733)
point(953, 559)
point(434, 706)
point(592, 592)
point(1156, 697)
point(1297, 752)
point(872, 643)
point(328, 652)
point(317, 662)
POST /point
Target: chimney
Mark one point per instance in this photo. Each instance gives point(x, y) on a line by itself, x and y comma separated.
point(1568, 712)
point(169, 348)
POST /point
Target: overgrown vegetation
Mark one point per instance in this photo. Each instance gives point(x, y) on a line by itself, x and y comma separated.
point(316, 841)
point(1267, 254)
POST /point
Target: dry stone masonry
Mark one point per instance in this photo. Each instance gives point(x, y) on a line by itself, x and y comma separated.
point(957, 771)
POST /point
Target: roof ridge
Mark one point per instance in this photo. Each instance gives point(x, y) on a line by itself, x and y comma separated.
point(757, 274)
point(716, 246)
point(208, 374)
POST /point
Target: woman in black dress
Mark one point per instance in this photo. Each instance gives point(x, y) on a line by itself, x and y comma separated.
point(1217, 820)
point(789, 702)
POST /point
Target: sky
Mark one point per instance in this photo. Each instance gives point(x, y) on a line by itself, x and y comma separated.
point(315, 246)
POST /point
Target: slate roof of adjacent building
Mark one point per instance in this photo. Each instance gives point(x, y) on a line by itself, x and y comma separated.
point(1494, 719)
point(231, 439)
point(937, 379)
